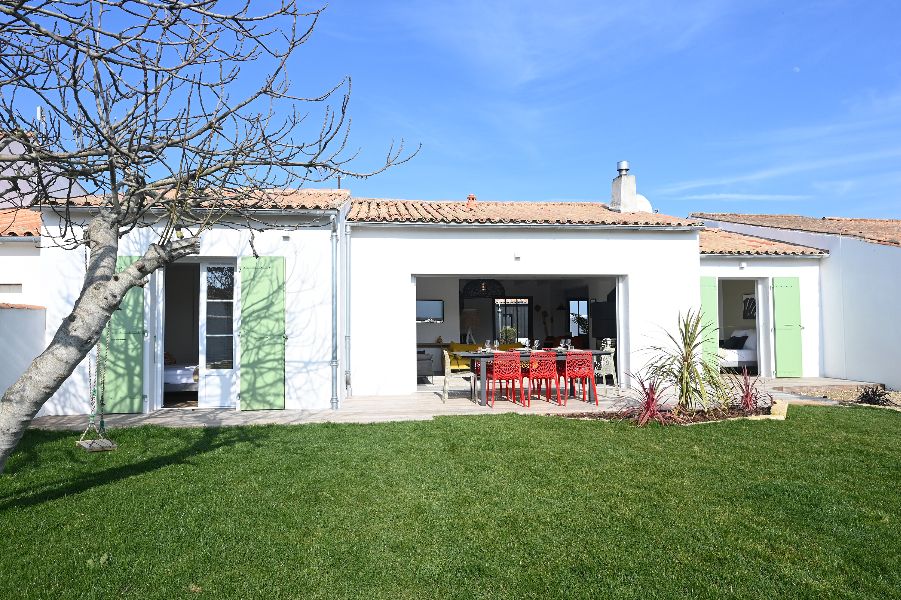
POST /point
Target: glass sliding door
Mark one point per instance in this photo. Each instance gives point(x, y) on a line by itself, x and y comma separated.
point(513, 320)
point(578, 317)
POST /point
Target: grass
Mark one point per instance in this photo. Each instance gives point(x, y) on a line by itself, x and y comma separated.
point(495, 506)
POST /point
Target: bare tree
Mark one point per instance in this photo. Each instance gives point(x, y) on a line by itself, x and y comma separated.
point(151, 107)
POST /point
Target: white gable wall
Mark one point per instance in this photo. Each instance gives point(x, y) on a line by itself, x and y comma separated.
point(22, 333)
point(308, 304)
point(20, 265)
point(661, 270)
point(763, 269)
point(859, 290)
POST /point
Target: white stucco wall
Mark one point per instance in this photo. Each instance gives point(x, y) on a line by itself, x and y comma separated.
point(661, 269)
point(859, 290)
point(763, 269)
point(20, 264)
point(308, 304)
point(21, 339)
point(440, 288)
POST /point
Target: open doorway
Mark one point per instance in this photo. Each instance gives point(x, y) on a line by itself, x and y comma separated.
point(738, 329)
point(466, 313)
point(181, 340)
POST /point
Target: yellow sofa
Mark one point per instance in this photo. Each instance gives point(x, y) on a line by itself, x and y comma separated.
point(457, 363)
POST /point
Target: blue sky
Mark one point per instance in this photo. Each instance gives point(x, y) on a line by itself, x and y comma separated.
point(720, 105)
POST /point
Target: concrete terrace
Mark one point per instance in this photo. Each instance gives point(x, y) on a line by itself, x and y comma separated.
point(422, 406)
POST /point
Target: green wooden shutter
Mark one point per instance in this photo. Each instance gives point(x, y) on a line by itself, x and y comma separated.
point(262, 333)
point(125, 359)
point(787, 307)
point(710, 316)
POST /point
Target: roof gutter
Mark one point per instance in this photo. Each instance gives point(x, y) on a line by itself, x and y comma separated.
point(266, 211)
point(736, 255)
point(21, 239)
point(548, 226)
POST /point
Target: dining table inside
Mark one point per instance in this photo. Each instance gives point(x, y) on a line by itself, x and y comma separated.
point(483, 356)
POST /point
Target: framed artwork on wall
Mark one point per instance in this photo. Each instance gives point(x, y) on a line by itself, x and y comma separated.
point(748, 306)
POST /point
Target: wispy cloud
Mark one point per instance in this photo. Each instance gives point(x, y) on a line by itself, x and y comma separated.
point(729, 197)
point(517, 42)
point(782, 170)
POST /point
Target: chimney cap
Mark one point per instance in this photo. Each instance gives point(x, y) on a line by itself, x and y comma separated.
point(470, 200)
point(623, 167)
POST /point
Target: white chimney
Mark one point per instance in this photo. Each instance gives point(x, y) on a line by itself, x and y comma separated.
point(625, 198)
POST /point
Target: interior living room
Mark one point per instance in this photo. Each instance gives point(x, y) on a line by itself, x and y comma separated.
point(738, 325)
point(465, 313)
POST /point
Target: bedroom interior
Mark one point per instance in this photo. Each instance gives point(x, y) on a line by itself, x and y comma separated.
point(738, 324)
point(181, 336)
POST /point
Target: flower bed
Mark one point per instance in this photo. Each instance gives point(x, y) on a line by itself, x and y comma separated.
point(668, 418)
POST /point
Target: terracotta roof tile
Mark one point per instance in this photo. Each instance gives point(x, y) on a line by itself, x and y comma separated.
point(880, 231)
point(719, 241)
point(7, 306)
point(377, 210)
point(302, 199)
point(19, 222)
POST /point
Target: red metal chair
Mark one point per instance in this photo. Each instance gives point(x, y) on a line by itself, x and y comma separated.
point(506, 369)
point(477, 367)
point(579, 367)
point(543, 368)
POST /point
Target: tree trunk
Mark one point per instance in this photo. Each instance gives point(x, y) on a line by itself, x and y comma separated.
point(100, 296)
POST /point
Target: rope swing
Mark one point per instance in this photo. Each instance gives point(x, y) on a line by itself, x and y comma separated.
point(94, 437)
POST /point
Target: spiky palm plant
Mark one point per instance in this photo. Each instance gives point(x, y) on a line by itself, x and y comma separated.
point(683, 368)
point(649, 410)
point(750, 397)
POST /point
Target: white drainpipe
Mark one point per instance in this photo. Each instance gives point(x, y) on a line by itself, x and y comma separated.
point(347, 309)
point(334, 362)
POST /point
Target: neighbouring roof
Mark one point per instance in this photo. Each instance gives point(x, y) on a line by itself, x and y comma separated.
point(19, 222)
point(880, 231)
point(377, 210)
point(7, 306)
point(718, 241)
point(302, 199)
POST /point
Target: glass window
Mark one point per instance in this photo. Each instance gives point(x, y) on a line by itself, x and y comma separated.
point(220, 283)
point(512, 320)
point(578, 317)
point(220, 325)
point(219, 318)
point(219, 352)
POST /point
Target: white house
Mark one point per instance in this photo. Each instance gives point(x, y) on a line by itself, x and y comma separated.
point(769, 292)
point(337, 294)
point(859, 287)
point(226, 328)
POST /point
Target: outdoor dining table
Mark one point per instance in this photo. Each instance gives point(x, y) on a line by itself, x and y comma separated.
point(484, 356)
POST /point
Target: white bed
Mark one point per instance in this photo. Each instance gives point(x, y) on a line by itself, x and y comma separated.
point(745, 357)
point(180, 378)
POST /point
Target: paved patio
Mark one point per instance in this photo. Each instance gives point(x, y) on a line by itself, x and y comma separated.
point(425, 404)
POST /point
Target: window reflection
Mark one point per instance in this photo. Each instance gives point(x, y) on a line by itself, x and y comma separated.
point(220, 283)
point(219, 318)
point(219, 352)
point(220, 294)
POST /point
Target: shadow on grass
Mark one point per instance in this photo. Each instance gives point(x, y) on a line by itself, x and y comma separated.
point(211, 439)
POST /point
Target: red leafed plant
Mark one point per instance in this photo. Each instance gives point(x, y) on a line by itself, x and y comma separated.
point(749, 395)
point(649, 410)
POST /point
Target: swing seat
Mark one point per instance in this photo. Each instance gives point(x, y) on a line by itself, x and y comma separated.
point(98, 445)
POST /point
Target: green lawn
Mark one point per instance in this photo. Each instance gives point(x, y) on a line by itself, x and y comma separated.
point(493, 506)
